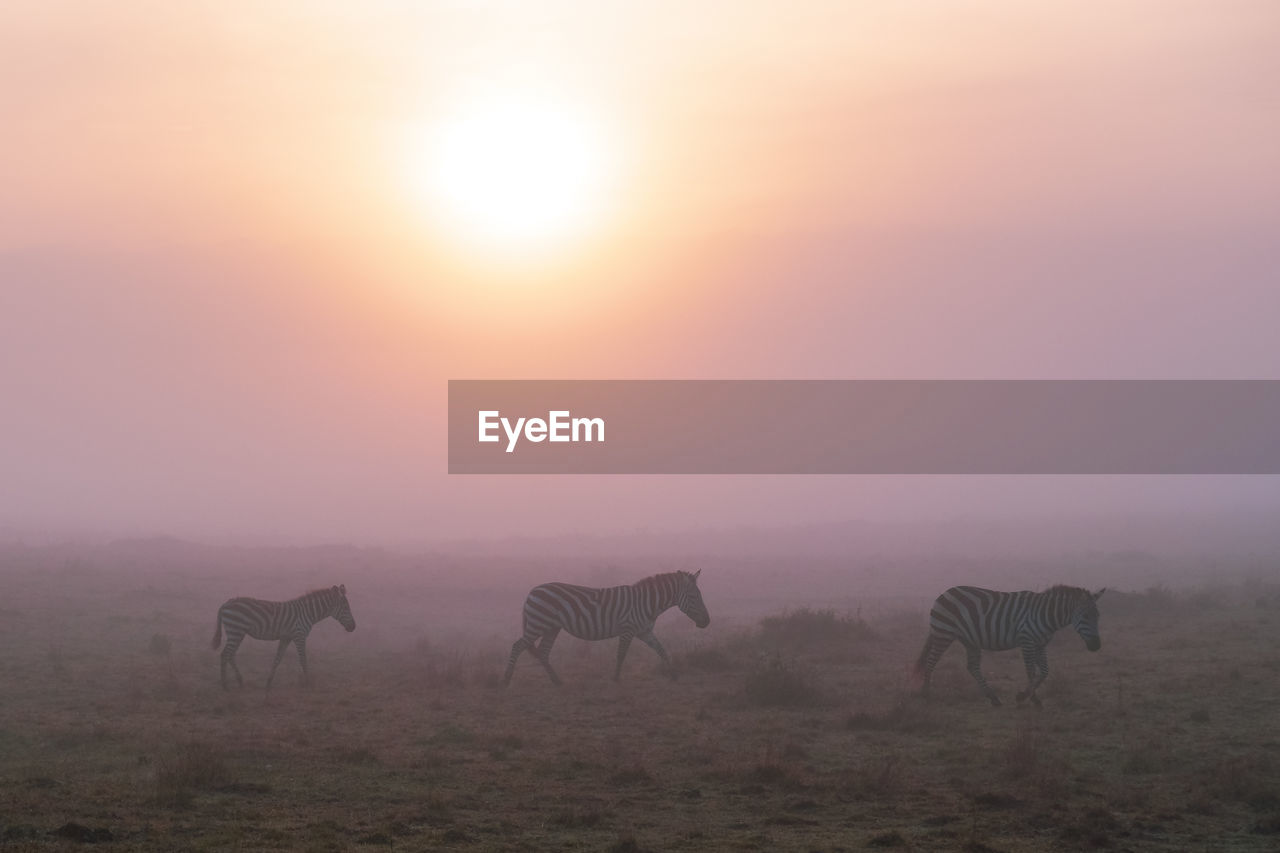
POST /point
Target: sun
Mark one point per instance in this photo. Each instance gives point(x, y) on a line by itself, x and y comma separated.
point(515, 174)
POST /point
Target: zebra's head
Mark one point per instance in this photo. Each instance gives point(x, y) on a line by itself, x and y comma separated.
point(342, 608)
point(1085, 619)
point(690, 600)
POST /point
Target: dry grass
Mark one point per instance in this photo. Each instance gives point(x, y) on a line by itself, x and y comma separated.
point(181, 772)
point(774, 738)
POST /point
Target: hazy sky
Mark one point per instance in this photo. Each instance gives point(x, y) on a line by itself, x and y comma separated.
point(227, 309)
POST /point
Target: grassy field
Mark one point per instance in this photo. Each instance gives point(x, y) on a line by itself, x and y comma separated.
point(799, 732)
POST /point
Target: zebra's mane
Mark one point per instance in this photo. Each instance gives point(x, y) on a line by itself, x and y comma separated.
point(1065, 589)
point(659, 579)
point(317, 592)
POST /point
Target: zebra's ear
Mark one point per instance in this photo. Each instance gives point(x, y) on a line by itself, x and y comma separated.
point(342, 588)
point(334, 589)
point(695, 574)
point(1099, 593)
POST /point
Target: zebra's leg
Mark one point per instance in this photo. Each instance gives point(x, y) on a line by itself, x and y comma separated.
point(543, 653)
point(1033, 669)
point(280, 649)
point(301, 643)
point(1037, 663)
point(624, 643)
point(652, 641)
point(934, 647)
point(516, 648)
point(229, 658)
point(975, 669)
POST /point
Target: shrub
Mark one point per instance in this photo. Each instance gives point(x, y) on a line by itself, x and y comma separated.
point(774, 683)
point(807, 627)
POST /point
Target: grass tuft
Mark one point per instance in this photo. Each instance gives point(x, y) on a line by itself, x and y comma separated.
point(191, 767)
point(909, 715)
point(1023, 754)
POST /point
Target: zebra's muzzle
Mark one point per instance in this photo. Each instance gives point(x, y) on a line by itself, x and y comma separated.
point(1093, 644)
point(703, 623)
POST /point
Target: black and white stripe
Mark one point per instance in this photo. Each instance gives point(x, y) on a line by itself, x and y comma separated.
point(624, 612)
point(286, 621)
point(985, 619)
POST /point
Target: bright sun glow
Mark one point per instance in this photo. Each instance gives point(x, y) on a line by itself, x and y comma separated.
point(515, 174)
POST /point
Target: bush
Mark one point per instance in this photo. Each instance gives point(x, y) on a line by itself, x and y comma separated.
point(807, 627)
point(774, 683)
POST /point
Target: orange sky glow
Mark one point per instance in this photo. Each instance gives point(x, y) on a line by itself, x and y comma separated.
point(226, 308)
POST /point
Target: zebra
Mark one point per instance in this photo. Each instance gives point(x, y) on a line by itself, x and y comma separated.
point(625, 612)
point(995, 621)
point(286, 621)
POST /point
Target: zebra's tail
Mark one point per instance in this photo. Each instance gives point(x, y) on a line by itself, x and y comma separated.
point(217, 635)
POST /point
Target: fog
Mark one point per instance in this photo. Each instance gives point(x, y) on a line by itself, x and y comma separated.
point(224, 318)
point(465, 592)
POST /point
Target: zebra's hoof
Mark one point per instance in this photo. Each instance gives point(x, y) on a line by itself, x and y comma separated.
point(1035, 700)
point(1022, 697)
point(995, 701)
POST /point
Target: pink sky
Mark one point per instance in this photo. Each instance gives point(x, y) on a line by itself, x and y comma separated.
point(222, 312)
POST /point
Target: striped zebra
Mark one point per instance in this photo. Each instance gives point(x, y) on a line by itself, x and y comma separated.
point(625, 612)
point(286, 621)
point(995, 621)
